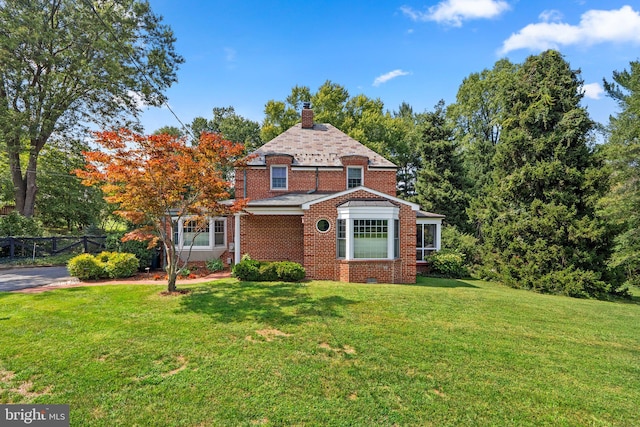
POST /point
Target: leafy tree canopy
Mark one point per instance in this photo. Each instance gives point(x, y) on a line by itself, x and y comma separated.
point(158, 180)
point(69, 62)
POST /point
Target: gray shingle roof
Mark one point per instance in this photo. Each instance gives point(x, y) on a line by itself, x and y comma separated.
point(289, 199)
point(322, 146)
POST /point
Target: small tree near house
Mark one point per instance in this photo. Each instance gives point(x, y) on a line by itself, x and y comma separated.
point(158, 180)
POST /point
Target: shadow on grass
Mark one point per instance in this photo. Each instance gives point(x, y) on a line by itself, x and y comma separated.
point(439, 282)
point(272, 302)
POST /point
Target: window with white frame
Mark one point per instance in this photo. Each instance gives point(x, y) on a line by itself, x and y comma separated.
point(370, 238)
point(367, 233)
point(199, 234)
point(354, 176)
point(278, 177)
point(426, 240)
point(341, 238)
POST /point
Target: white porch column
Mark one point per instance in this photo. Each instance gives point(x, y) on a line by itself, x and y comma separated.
point(236, 239)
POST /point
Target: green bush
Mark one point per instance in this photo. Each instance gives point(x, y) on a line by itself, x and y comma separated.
point(115, 265)
point(466, 244)
point(447, 264)
point(247, 269)
point(85, 267)
point(139, 249)
point(290, 271)
point(121, 265)
point(268, 272)
point(256, 271)
point(215, 265)
point(15, 224)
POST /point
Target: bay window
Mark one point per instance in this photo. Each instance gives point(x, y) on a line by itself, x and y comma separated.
point(365, 231)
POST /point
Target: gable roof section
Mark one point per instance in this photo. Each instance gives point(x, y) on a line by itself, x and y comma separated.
point(320, 146)
point(307, 205)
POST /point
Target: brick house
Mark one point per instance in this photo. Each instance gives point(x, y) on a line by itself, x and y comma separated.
point(324, 200)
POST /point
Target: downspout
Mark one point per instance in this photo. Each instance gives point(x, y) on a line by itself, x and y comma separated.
point(317, 183)
point(244, 183)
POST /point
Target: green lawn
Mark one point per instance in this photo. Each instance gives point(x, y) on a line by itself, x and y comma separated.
point(443, 352)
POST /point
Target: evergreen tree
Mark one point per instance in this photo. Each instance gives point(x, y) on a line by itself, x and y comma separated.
point(537, 221)
point(621, 206)
point(441, 181)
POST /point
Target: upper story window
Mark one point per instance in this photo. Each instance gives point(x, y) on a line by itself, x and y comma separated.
point(278, 177)
point(354, 176)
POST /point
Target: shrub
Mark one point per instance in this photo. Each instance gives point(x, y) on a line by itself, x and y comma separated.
point(466, 244)
point(290, 271)
point(85, 266)
point(115, 265)
point(15, 224)
point(120, 264)
point(139, 249)
point(252, 270)
point(268, 271)
point(247, 269)
point(214, 265)
point(447, 263)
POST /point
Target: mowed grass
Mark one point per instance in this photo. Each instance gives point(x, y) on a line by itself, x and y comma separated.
point(443, 352)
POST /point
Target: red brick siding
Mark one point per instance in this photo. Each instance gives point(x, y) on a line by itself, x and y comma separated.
point(320, 259)
point(272, 237)
point(259, 184)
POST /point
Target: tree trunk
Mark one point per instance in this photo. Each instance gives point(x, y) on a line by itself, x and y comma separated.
point(31, 189)
point(172, 268)
point(24, 187)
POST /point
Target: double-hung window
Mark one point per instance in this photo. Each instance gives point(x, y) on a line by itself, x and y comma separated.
point(278, 177)
point(354, 177)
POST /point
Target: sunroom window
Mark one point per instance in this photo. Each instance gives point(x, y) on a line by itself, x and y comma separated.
point(199, 235)
point(426, 240)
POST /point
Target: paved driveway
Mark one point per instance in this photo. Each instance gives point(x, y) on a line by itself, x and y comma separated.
point(28, 277)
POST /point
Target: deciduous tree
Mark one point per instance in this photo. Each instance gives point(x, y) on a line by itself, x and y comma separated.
point(69, 62)
point(158, 180)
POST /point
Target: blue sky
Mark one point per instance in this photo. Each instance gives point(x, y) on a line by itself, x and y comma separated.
point(245, 53)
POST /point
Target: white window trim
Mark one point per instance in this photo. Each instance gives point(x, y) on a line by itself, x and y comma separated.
point(180, 243)
point(286, 176)
point(361, 176)
point(366, 212)
point(437, 237)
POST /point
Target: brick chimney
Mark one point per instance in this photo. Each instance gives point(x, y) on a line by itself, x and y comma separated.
point(307, 116)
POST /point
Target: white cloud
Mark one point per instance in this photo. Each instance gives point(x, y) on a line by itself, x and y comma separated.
point(593, 90)
point(137, 100)
point(551, 15)
point(596, 26)
point(453, 12)
point(390, 75)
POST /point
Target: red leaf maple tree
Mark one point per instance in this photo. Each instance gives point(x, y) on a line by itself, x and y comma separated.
point(158, 180)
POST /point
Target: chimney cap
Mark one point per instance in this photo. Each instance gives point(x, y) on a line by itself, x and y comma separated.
point(306, 105)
